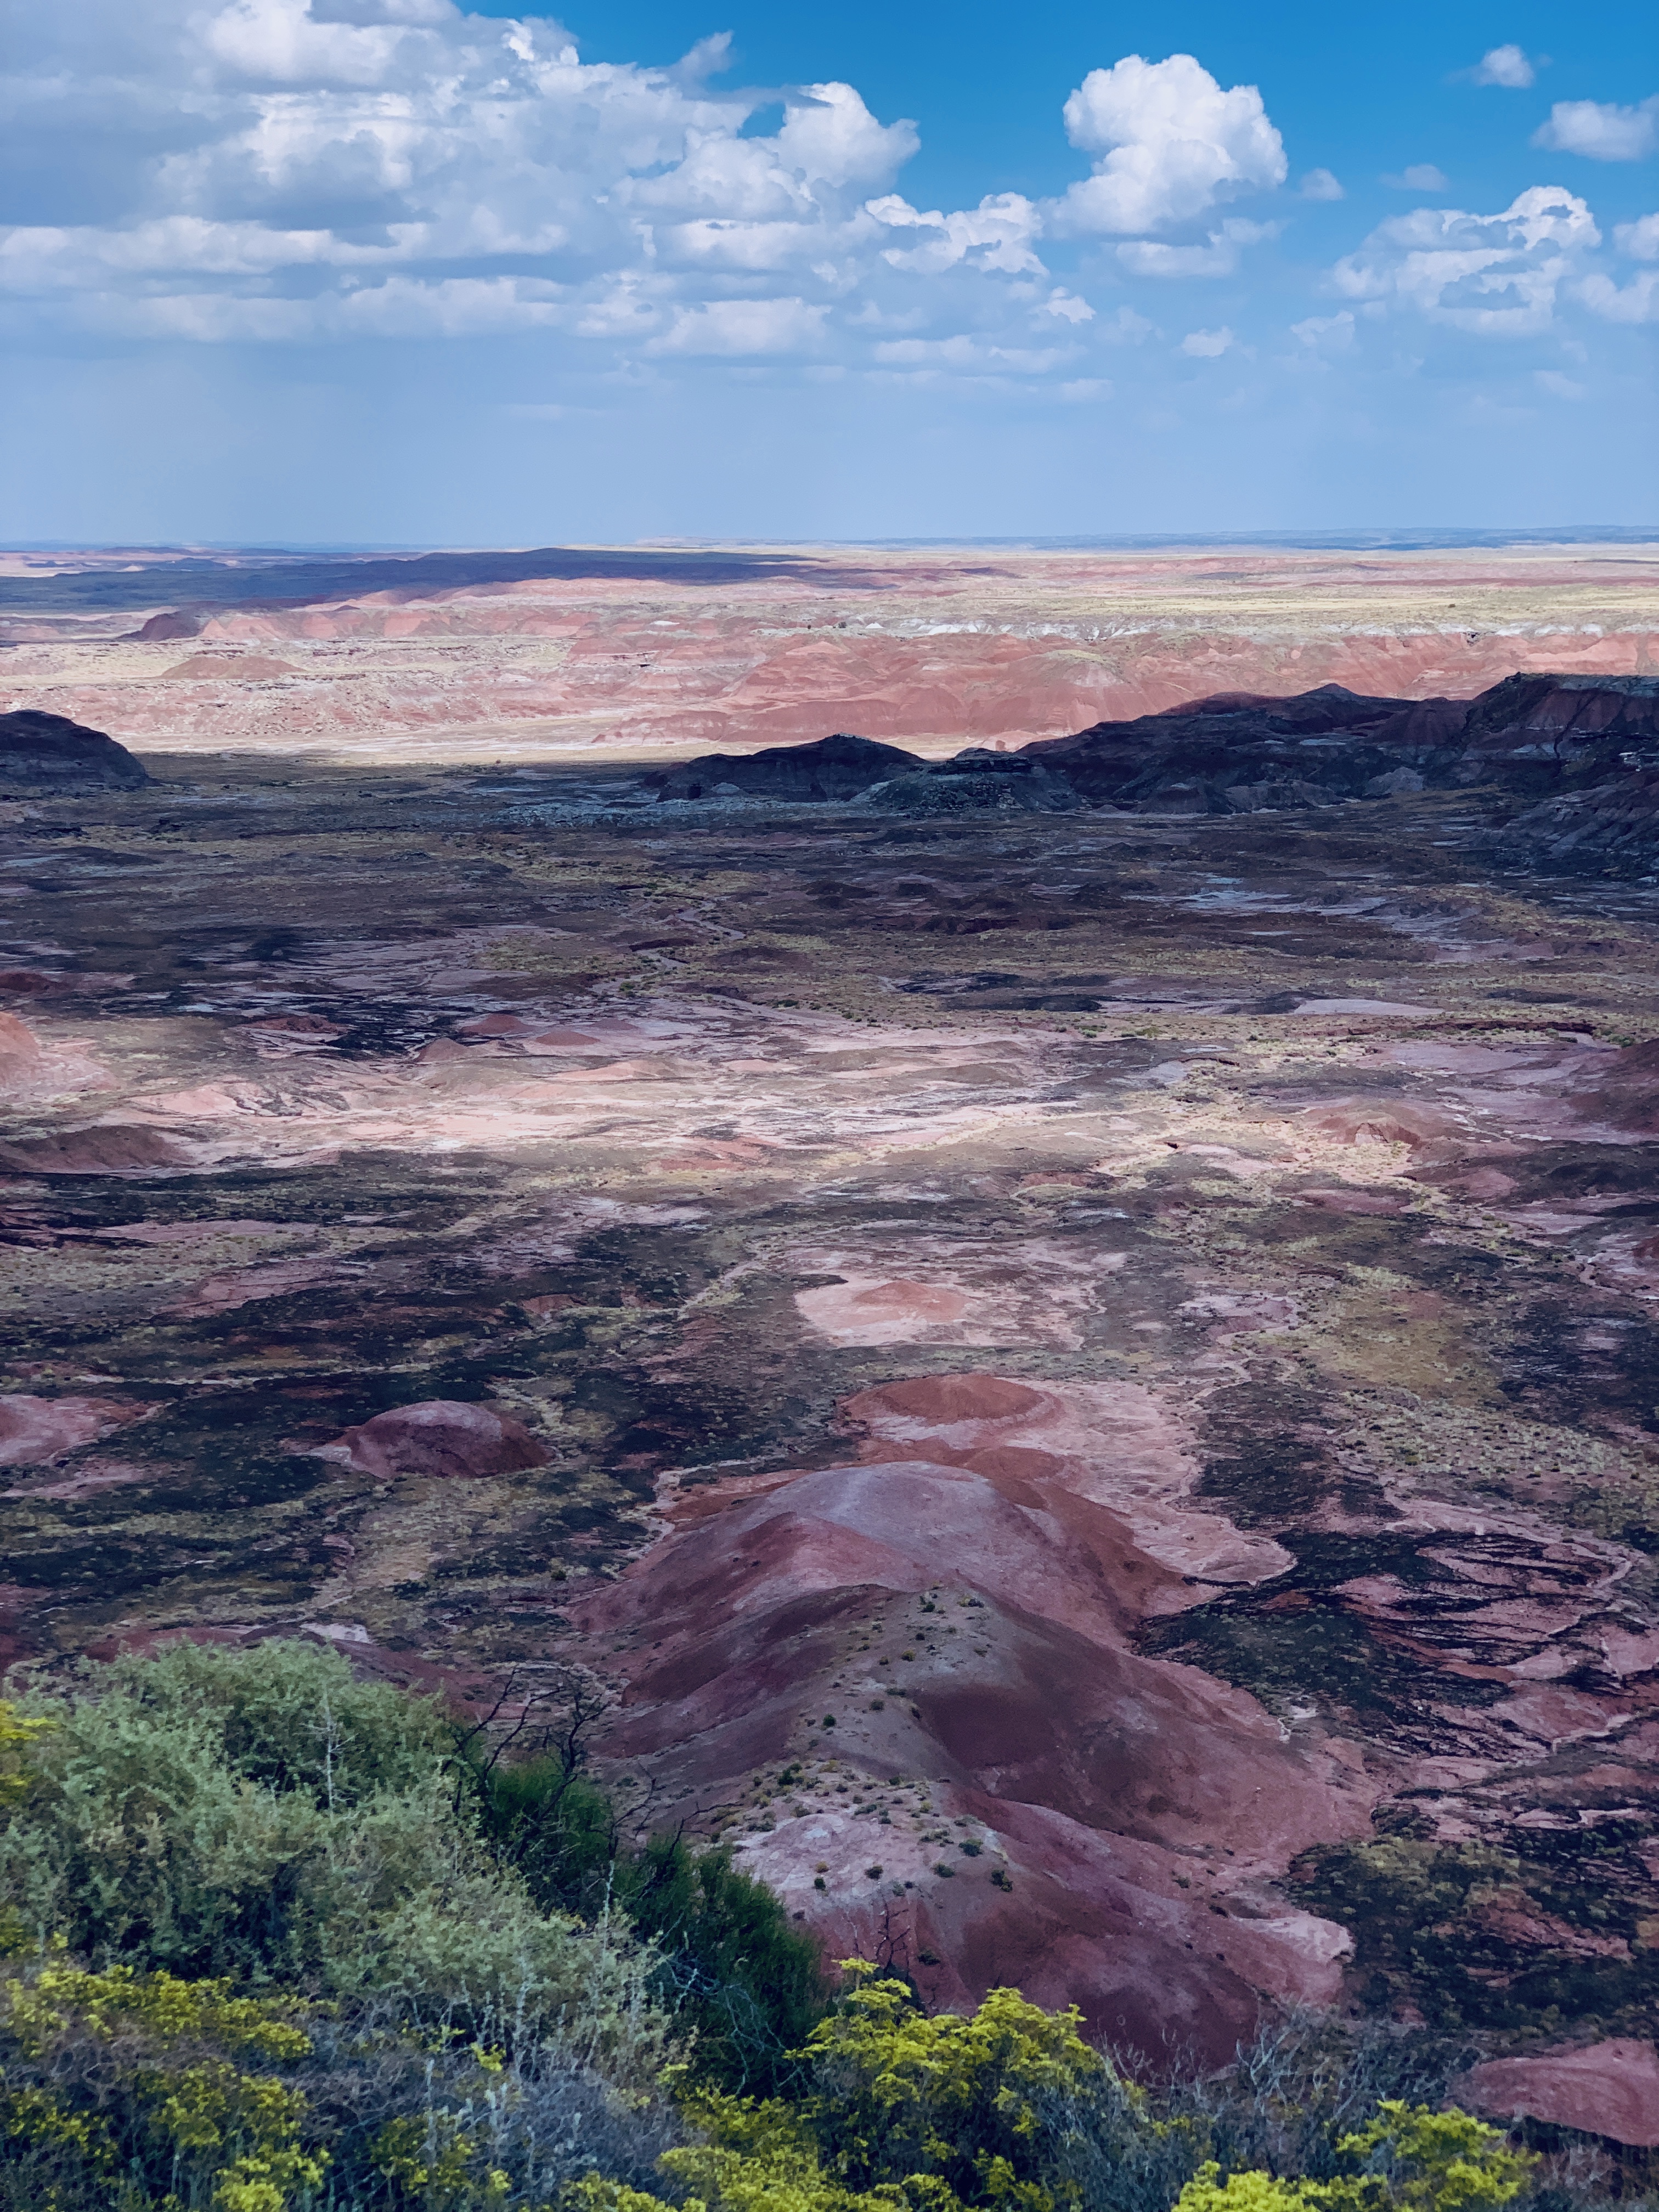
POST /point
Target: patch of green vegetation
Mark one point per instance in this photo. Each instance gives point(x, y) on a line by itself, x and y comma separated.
point(1473, 1937)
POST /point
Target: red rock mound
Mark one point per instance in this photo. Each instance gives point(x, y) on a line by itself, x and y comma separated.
point(1606, 2089)
point(961, 1605)
point(35, 1429)
point(440, 1436)
point(114, 1148)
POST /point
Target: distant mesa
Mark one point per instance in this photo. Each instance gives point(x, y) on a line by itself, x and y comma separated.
point(230, 667)
point(49, 753)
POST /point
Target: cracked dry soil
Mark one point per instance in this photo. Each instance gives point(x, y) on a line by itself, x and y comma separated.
point(1088, 1389)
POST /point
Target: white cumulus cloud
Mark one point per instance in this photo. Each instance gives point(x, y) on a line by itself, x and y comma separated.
point(742, 327)
point(1640, 238)
point(1601, 129)
point(335, 169)
point(1635, 302)
point(1507, 66)
point(1169, 142)
point(1145, 256)
point(996, 234)
point(1067, 306)
point(1205, 345)
point(1321, 185)
point(1497, 276)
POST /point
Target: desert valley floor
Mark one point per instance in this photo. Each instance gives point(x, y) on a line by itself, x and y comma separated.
point(1083, 1387)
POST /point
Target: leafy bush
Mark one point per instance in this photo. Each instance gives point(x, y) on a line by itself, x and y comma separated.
point(261, 1815)
point(969, 2103)
point(133, 2090)
point(1411, 2159)
point(146, 2094)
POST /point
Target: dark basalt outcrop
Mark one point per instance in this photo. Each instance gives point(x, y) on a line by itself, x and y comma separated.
point(838, 767)
point(976, 782)
point(1611, 827)
point(1237, 753)
point(49, 753)
point(1567, 744)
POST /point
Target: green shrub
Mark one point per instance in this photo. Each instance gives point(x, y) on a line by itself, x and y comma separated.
point(745, 1985)
point(134, 2091)
point(159, 1827)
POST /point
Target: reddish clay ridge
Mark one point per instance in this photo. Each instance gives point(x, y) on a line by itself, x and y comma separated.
point(936, 1641)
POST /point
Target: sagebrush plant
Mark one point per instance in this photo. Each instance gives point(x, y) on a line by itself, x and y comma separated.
point(262, 1814)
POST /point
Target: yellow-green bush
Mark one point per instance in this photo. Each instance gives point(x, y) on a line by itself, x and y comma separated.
point(1411, 2159)
point(136, 2090)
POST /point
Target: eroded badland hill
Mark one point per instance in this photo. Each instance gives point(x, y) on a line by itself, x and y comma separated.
point(1083, 1382)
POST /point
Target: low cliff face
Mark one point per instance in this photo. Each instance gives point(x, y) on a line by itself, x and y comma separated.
point(49, 753)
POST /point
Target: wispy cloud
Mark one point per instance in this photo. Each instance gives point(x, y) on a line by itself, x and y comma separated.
point(1421, 177)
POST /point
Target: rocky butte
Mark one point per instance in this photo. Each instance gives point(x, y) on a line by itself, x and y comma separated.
point(1052, 1294)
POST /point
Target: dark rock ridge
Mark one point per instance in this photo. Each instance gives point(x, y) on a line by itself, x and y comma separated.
point(976, 783)
point(1574, 745)
point(838, 767)
point(885, 778)
point(1609, 828)
point(49, 753)
point(1234, 753)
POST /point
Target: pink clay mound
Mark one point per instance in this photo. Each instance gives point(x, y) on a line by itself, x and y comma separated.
point(1610, 2088)
point(442, 1437)
point(1036, 1528)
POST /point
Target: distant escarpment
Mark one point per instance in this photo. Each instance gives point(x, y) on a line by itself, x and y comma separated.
point(49, 753)
point(1574, 750)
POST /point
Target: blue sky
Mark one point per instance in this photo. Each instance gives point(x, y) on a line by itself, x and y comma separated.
point(388, 271)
